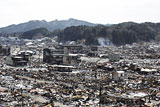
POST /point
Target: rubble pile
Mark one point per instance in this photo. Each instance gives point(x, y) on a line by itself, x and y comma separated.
point(81, 76)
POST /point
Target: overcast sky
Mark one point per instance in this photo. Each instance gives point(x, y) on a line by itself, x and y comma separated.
point(96, 11)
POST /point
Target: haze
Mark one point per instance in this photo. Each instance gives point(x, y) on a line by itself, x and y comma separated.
point(95, 11)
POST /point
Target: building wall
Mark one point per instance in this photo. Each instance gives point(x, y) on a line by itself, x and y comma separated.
point(5, 51)
point(9, 61)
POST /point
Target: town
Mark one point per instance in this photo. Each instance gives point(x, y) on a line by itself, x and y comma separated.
point(45, 73)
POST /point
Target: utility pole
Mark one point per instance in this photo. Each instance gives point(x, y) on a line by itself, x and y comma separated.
point(100, 95)
point(39, 55)
point(22, 97)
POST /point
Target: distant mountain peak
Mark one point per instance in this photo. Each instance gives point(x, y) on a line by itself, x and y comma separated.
point(52, 25)
point(72, 19)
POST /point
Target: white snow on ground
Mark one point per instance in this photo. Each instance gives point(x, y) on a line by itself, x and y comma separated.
point(104, 42)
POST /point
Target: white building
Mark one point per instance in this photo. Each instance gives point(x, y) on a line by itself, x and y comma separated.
point(118, 75)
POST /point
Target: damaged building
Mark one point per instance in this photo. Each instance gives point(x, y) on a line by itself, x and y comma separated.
point(16, 61)
point(54, 56)
point(4, 50)
point(21, 59)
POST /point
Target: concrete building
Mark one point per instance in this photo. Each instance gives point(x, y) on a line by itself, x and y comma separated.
point(4, 50)
point(53, 56)
point(73, 49)
point(16, 61)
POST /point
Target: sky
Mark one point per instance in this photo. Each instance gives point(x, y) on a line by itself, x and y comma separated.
point(95, 11)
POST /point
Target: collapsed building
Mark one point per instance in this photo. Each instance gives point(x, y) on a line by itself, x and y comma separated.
point(4, 50)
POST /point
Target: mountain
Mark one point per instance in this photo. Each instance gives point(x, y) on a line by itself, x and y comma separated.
point(52, 25)
point(117, 34)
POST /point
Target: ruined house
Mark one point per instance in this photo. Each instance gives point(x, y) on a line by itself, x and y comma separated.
point(4, 50)
point(16, 61)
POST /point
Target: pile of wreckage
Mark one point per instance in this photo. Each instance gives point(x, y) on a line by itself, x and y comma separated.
point(77, 75)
